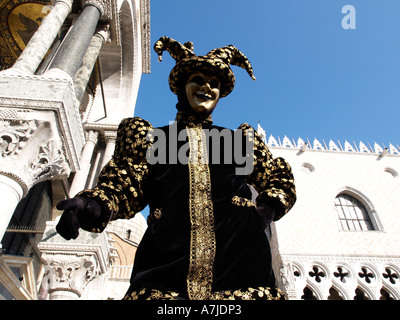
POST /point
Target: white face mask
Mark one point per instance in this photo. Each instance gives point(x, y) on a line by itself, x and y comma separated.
point(203, 92)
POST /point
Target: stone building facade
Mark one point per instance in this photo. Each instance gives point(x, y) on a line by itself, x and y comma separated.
point(70, 72)
point(341, 239)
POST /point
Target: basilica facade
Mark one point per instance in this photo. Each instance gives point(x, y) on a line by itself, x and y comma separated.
point(70, 72)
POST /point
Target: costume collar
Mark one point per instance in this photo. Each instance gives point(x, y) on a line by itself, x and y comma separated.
point(191, 120)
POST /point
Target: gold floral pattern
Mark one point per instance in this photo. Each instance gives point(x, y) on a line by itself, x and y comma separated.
point(154, 215)
point(119, 187)
point(259, 293)
point(202, 234)
point(272, 177)
point(242, 202)
point(153, 294)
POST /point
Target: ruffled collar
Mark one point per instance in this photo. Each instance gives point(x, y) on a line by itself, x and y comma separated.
point(192, 120)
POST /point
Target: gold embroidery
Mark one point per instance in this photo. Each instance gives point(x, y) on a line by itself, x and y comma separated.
point(272, 177)
point(119, 187)
point(153, 216)
point(202, 235)
point(154, 294)
point(259, 293)
point(242, 202)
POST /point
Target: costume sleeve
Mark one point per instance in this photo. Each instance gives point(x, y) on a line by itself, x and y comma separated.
point(271, 177)
point(119, 188)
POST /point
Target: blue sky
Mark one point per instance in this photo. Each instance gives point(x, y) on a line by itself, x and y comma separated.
point(314, 78)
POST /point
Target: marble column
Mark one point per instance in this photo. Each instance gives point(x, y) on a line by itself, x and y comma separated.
point(110, 137)
point(83, 74)
point(11, 193)
point(73, 48)
point(41, 41)
point(78, 184)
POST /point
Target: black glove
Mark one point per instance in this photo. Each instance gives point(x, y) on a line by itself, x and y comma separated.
point(78, 213)
point(266, 212)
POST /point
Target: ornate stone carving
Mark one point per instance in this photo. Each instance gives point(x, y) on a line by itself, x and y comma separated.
point(104, 7)
point(50, 163)
point(332, 146)
point(343, 273)
point(14, 134)
point(69, 273)
point(71, 265)
point(30, 152)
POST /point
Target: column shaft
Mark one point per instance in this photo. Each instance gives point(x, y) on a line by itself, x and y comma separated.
point(83, 74)
point(110, 146)
point(41, 41)
point(73, 48)
point(78, 184)
point(10, 195)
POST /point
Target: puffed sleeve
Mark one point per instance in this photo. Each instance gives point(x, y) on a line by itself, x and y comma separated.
point(119, 188)
point(271, 177)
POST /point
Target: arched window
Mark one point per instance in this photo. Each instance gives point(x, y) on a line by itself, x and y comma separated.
point(352, 214)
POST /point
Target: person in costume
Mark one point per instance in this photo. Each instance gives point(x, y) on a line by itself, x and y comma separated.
point(206, 238)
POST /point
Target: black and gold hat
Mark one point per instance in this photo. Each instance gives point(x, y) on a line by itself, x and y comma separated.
point(216, 62)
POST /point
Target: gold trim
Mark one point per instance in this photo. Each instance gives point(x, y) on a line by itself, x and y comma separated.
point(259, 293)
point(242, 202)
point(202, 234)
point(154, 215)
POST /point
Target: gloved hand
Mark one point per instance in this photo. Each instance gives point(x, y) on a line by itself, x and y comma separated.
point(266, 212)
point(78, 213)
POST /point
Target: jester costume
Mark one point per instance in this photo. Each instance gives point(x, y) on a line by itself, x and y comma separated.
point(205, 239)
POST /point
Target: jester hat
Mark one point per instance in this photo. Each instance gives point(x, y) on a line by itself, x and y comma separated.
point(216, 62)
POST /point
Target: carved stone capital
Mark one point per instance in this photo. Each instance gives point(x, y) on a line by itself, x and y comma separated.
point(92, 136)
point(110, 136)
point(68, 275)
point(104, 7)
point(103, 31)
point(71, 265)
point(30, 152)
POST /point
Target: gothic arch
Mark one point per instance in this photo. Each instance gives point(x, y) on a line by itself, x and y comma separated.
point(300, 270)
point(367, 291)
point(365, 201)
point(341, 293)
point(356, 194)
point(317, 292)
point(391, 291)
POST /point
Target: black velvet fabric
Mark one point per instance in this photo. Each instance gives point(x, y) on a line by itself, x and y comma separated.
point(130, 181)
point(243, 256)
